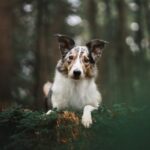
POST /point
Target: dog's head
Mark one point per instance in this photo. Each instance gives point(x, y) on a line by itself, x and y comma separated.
point(79, 62)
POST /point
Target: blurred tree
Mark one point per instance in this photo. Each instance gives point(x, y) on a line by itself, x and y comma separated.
point(147, 16)
point(139, 18)
point(24, 52)
point(91, 15)
point(41, 67)
point(6, 56)
point(108, 65)
point(120, 38)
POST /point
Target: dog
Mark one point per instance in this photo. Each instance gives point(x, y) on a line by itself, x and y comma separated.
point(74, 84)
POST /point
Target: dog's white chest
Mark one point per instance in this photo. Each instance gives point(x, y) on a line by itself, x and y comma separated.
point(68, 93)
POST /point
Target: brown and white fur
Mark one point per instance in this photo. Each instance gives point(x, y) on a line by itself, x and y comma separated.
point(74, 83)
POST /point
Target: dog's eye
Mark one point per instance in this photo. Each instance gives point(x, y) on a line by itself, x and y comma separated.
point(86, 60)
point(70, 57)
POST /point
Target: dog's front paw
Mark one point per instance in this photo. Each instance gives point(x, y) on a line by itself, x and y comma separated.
point(86, 120)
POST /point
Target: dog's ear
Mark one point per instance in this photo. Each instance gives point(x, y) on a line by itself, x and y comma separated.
point(96, 47)
point(65, 43)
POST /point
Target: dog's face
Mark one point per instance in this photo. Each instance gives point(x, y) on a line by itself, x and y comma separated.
point(78, 62)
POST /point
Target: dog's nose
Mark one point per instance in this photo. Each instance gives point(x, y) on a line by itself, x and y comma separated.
point(77, 73)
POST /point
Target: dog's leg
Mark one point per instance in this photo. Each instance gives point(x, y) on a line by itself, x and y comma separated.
point(49, 103)
point(54, 107)
point(47, 93)
point(86, 117)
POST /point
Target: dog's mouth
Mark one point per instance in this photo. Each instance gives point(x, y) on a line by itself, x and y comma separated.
point(76, 77)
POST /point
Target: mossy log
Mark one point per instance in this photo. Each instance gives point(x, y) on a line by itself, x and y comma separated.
point(23, 129)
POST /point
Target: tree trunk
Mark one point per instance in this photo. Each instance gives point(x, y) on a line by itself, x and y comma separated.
point(6, 52)
point(91, 13)
point(139, 36)
point(122, 55)
point(41, 67)
point(108, 65)
point(121, 52)
point(147, 17)
point(139, 20)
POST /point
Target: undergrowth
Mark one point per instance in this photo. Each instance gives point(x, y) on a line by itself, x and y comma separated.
point(113, 128)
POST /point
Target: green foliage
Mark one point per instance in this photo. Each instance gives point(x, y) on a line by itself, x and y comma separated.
point(112, 128)
point(25, 127)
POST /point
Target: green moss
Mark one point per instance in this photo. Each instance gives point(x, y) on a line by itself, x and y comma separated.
point(118, 127)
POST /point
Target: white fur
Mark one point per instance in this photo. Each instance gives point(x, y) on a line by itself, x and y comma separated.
point(75, 94)
point(87, 118)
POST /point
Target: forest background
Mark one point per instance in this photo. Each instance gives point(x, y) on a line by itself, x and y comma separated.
point(29, 52)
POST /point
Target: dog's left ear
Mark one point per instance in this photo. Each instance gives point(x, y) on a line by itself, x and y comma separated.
point(96, 47)
point(65, 43)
